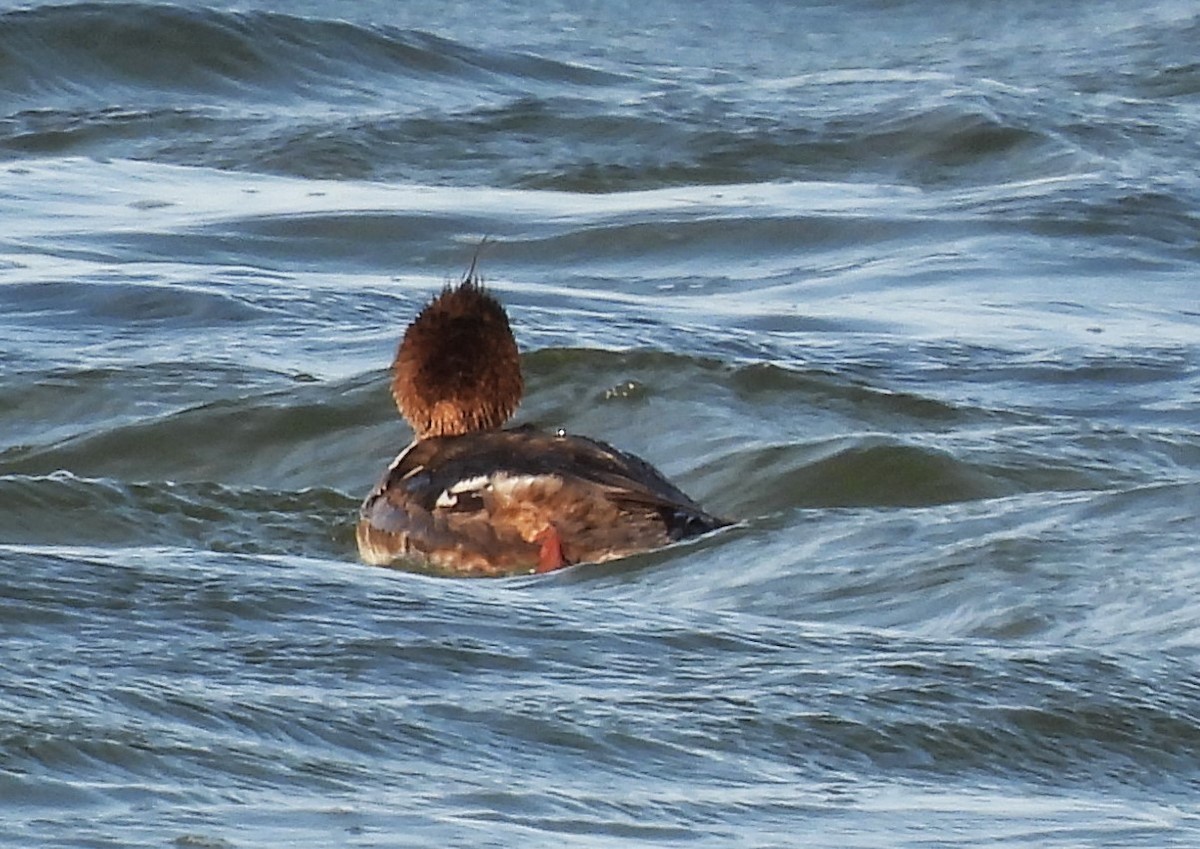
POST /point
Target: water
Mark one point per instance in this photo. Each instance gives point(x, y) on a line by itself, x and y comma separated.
point(909, 289)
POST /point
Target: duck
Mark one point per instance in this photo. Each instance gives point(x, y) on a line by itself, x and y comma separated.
point(471, 497)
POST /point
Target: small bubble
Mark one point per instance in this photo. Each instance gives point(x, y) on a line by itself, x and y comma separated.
point(628, 389)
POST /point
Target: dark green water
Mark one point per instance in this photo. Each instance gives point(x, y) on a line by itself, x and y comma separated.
point(909, 289)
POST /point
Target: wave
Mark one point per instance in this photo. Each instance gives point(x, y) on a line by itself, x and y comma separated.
point(926, 143)
point(257, 435)
point(331, 660)
point(90, 46)
point(543, 138)
point(246, 433)
point(319, 98)
point(278, 465)
point(74, 511)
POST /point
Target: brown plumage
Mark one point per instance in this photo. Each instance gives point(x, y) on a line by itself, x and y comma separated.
point(457, 368)
point(468, 498)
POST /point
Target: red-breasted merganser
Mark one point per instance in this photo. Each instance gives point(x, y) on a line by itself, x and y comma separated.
point(469, 498)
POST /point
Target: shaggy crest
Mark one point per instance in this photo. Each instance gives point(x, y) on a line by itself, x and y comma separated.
point(458, 369)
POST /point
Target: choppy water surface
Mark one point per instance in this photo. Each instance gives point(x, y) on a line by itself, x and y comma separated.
point(909, 289)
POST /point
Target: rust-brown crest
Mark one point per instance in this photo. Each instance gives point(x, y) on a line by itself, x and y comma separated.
point(458, 369)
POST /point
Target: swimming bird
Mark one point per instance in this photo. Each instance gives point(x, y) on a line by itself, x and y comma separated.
point(469, 497)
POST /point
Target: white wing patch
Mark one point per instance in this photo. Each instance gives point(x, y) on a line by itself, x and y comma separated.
point(449, 496)
point(511, 486)
point(505, 486)
point(472, 484)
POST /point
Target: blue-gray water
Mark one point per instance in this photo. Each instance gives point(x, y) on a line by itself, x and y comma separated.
point(910, 288)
